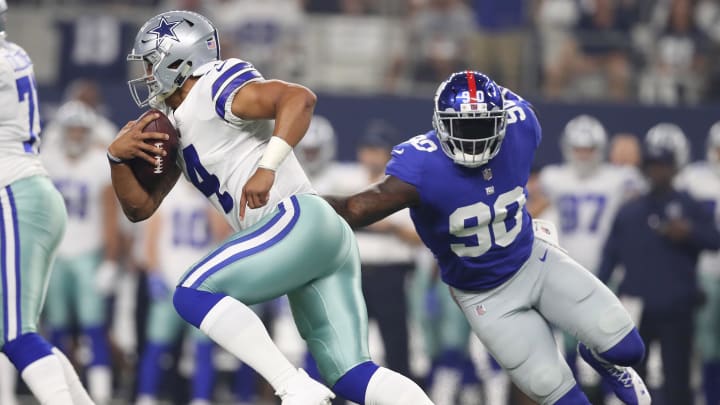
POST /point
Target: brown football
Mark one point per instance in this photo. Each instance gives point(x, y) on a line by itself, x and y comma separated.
point(149, 175)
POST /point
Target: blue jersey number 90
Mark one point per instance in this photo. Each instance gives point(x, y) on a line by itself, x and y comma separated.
point(477, 220)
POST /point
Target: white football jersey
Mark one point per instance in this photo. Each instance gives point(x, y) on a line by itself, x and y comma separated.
point(219, 151)
point(702, 181)
point(19, 117)
point(185, 234)
point(586, 206)
point(81, 183)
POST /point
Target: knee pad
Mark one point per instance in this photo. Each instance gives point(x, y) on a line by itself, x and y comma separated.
point(26, 349)
point(614, 320)
point(629, 351)
point(545, 380)
point(192, 305)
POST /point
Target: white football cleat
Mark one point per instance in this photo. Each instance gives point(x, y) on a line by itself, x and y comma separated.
point(303, 390)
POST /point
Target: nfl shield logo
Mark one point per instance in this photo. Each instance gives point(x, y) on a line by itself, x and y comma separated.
point(487, 173)
point(480, 309)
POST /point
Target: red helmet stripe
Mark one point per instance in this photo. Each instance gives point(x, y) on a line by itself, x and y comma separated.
point(472, 87)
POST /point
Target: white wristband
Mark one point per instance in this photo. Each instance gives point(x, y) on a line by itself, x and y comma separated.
point(276, 151)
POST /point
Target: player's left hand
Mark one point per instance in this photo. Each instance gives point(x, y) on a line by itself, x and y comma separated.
point(256, 192)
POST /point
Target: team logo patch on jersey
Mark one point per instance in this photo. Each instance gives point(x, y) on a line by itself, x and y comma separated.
point(487, 173)
point(480, 309)
point(490, 190)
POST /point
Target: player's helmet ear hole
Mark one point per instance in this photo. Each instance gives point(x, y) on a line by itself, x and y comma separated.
point(175, 64)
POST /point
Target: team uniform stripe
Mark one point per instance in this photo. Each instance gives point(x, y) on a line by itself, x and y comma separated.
point(267, 236)
point(235, 83)
point(254, 234)
point(472, 87)
point(10, 267)
point(3, 267)
point(226, 75)
point(18, 279)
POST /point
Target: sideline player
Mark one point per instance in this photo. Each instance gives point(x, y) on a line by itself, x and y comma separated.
point(89, 247)
point(467, 199)
point(702, 181)
point(182, 230)
point(32, 222)
point(287, 241)
point(586, 192)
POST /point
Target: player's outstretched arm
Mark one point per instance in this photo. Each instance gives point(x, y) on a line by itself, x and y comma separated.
point(375, 203)
point(137, 203)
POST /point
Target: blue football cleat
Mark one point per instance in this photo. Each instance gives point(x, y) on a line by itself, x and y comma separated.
point(625, 382)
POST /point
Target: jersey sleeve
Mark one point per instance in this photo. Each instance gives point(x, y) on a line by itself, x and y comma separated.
point(234, 75)
point(522, 112)
point(407, 158)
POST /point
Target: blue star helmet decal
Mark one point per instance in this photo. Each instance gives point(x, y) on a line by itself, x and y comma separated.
point(165, 29)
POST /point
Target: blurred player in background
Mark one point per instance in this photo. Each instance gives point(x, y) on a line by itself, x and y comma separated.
point(586, 192)
point(180, 232)
point(658, 236)
point(287, 240)
point(32, 223)
point(702, 181)
point(467, 196)
point(89, 249)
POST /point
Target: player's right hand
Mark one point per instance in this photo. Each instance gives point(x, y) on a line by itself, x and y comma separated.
point(130, 141)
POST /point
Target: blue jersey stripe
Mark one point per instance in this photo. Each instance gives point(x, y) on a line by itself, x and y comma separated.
point(227, 75)
point(18, 285)
point(231, 87)
point(254, 234)
point(249, 252)
point(3, 270)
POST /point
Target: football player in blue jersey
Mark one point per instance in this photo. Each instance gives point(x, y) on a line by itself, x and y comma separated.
point(464, 183)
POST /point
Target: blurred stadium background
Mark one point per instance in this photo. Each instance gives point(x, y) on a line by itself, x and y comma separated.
point(375, 65)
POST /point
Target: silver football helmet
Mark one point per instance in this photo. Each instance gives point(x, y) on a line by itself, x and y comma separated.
point(76, 122)
point(171, 46)
point(584, 132)
point(3, 11)
point(666, 139)
point(713, 147)
point(318, 147)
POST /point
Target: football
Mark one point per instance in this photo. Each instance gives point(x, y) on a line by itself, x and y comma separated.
point(149, 175)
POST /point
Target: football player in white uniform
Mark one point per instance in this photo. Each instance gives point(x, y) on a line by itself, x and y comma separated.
point(180, 232)
point(90, 245)
point(32, 223)
point(586, 192)
point(702, 181)
point(288, 240)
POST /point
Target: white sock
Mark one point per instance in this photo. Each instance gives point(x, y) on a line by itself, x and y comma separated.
point(237, 329)
point(8, 378)
point(77, 391)
point(46, 380)
point(387, 387)
point(99, 379)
